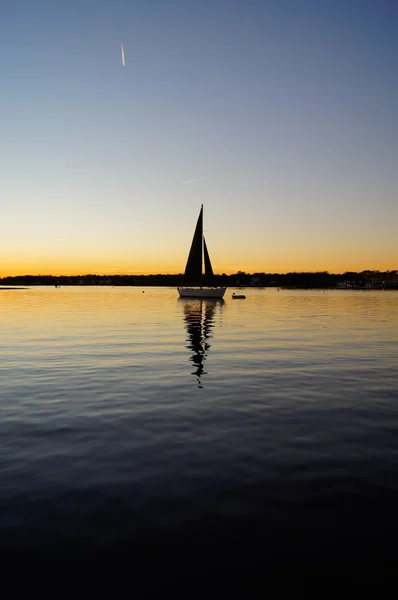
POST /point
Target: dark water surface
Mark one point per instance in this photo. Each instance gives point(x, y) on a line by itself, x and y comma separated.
point(255, 436)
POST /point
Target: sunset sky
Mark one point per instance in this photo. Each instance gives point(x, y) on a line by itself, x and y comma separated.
point(279, 116)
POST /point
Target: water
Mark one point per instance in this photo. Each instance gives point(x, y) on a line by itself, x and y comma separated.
point(260, 433)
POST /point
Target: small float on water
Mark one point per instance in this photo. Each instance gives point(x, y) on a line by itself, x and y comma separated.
point(238, 296)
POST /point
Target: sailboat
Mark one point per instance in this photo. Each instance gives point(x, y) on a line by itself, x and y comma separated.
point(195, 283)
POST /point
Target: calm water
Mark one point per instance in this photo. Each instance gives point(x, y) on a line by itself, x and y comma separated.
point(261, 433)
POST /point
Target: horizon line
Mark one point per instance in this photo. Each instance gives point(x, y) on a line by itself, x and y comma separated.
point(177, 274)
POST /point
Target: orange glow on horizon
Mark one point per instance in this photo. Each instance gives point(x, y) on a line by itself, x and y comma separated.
point(226, 258)
point(123, 267)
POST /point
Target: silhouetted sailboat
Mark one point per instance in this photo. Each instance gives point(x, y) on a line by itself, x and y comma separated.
point(195, 284)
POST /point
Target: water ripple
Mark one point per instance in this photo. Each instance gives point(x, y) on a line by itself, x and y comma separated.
point(129, 419)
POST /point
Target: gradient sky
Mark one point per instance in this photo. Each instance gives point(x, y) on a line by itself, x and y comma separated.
point(283, 112)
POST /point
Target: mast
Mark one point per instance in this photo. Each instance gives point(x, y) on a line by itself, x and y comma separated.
point(201, 258)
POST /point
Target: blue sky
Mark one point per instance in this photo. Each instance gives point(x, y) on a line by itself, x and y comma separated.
point(281, 115)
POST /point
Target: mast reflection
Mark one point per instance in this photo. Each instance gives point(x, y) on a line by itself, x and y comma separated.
point(199, 320)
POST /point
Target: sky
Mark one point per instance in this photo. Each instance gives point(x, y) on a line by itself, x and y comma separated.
point(279, 116)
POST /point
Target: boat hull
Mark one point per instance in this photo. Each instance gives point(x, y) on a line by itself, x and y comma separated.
point(203, 292)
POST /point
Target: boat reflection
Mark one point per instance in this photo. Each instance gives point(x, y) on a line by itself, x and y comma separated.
point(199, 320)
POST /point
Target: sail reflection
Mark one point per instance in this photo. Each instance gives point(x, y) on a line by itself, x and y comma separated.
point(199, 320)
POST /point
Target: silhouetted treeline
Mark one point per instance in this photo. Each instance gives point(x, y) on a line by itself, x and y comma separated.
point(304, 280)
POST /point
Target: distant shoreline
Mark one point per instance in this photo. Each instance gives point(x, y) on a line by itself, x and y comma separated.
point(294, 280)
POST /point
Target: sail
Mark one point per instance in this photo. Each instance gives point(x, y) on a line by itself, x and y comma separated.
point(208, 267)
point(193, 269)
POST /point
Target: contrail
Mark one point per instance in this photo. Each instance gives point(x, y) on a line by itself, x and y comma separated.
point(122, 51)
point(193, 180)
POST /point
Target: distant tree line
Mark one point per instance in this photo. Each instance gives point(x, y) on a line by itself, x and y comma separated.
point(304, 280)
